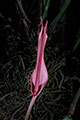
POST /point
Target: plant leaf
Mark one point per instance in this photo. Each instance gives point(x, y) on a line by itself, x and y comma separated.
point(77, 41)
point(58, 17)
point(67, 118)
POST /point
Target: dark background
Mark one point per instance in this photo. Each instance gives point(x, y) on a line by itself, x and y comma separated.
point(10, 21)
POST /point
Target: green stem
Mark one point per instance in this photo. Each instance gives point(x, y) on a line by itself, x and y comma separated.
point(46, 9)
point(23, 14)
point(58, 17)
point(76, 98)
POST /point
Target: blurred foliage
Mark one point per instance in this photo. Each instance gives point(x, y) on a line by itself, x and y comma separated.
point(60, 15)
point(77, 43)
point(67, 118)
point(46, 6)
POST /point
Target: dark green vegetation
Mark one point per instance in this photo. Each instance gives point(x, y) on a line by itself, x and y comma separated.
point(18, 46)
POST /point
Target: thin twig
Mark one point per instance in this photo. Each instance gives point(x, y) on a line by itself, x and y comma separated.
point(11, 94)
point(2, 17)
point(74, 103)
point(17, 111)
point(19, 4)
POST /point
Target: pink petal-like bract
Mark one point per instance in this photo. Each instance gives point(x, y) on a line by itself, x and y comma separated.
point(39, 76)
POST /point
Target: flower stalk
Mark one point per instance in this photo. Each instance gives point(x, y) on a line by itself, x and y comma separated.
point(39, 76)
point(30, 107)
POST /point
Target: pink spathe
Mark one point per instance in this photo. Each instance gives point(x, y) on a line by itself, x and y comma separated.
point(39, 76)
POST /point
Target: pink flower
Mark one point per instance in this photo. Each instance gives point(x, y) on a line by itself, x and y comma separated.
point(39, 76)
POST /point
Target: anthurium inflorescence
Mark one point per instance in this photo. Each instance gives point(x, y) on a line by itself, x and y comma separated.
point(39, 76)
